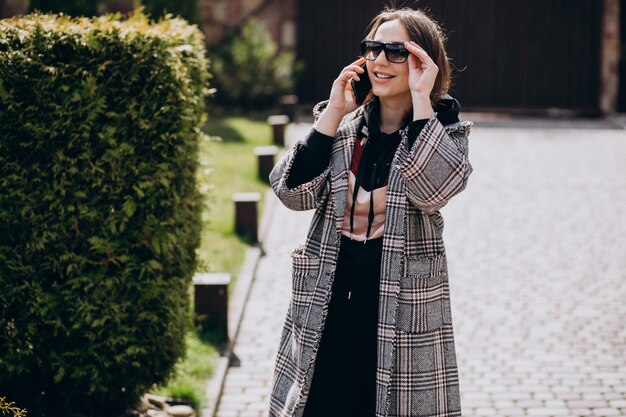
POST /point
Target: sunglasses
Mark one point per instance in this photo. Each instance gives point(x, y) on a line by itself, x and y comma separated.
point(394, 51)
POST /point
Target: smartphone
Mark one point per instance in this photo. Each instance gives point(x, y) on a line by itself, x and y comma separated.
point(361, 88)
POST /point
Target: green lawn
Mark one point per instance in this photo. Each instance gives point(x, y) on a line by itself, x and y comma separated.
point(228, 165)
point(192, 373)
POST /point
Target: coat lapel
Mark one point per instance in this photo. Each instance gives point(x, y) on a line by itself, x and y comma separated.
point(341, 159)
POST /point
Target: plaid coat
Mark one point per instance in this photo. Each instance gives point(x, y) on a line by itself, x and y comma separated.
point(416, 372)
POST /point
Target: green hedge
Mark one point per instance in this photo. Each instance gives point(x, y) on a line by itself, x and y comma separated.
point(99, 208)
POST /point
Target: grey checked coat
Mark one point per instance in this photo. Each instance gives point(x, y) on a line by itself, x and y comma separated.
point(417, 372)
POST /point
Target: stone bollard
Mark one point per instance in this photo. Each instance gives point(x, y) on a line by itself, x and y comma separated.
point(211, 301)
point(288, 105)
point(265, 157)
point(246, 214)
point(278, 123)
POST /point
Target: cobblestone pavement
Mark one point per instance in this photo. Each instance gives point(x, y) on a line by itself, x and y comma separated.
point(537, 261)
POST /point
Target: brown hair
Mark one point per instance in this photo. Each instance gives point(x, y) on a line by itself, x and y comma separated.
point(427, 33)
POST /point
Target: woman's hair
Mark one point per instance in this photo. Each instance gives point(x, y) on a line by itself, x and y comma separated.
point(427, 33)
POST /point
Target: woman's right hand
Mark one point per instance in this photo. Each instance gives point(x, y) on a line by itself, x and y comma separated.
point(342, 98)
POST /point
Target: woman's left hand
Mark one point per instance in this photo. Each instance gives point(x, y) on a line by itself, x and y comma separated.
point(422, 71)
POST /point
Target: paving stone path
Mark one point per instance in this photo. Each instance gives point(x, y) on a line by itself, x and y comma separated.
point(537, 259)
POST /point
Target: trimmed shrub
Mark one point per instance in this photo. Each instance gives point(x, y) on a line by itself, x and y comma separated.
point(249, 71)
point(9, 409)
point(99, 208)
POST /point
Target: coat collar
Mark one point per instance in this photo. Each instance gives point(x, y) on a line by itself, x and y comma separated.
point(446, 110)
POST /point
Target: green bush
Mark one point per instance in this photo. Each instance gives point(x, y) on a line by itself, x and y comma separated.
point(9, 409)
point(99, 207)
point(249, 71)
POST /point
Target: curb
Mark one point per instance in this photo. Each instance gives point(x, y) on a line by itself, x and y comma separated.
point(237, 305)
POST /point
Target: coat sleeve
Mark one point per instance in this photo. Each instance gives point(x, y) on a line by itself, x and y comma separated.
point(437, 166)
point(306, 196)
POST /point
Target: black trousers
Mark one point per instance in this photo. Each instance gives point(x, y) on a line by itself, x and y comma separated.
point(344, 378)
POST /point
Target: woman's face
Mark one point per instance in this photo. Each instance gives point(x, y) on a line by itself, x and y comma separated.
point(396, 81)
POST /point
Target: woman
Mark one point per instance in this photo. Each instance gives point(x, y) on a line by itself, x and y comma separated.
point(369, 328)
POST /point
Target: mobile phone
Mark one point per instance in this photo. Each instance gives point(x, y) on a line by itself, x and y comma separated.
point(361, 88)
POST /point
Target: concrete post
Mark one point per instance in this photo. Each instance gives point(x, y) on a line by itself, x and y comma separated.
point(265, 157)
point(288, 105)
point(211, 301)
point(246, 214)
point(278, 123)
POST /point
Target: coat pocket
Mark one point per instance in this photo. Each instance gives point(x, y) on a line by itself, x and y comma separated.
point(422, 294)
point(304, 273)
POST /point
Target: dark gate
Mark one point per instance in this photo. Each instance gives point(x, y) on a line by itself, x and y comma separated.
point(527, 55)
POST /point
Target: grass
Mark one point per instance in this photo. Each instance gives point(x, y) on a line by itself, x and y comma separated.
point(192, 373)
point(228, 165)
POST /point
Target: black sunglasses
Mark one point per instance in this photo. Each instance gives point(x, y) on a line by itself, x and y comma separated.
point(394, 51)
